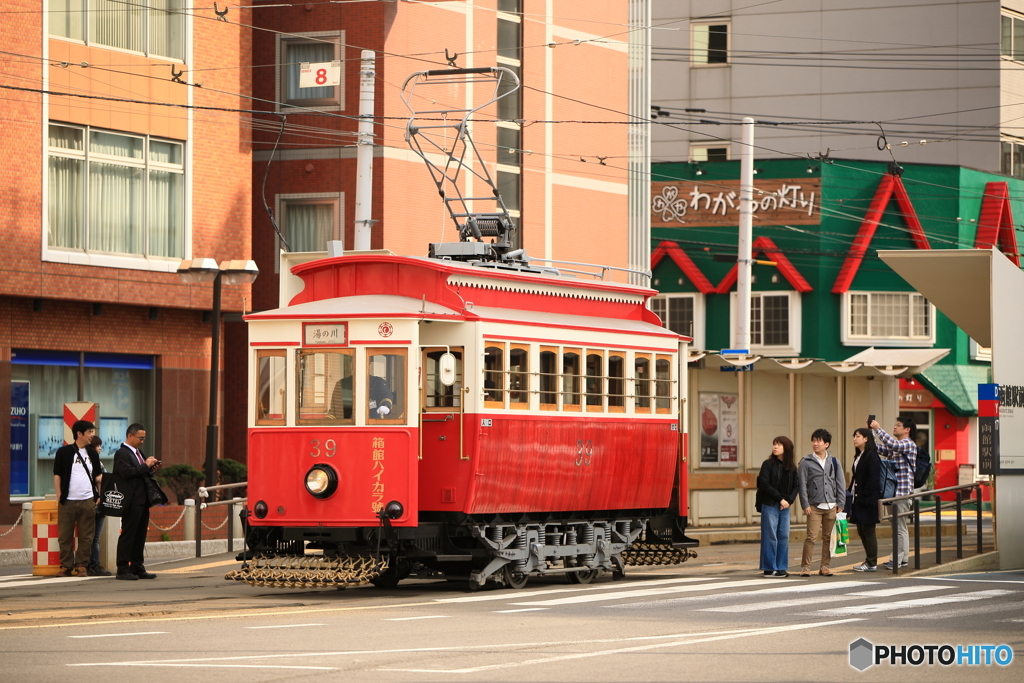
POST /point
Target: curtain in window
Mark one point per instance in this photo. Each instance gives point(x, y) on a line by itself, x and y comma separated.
point(295, 55)
point(65, 199)
point(115, 23)
point(166, 218)
point(115, 208)
point(66, 18)
point(308, 227)
point(167, 29)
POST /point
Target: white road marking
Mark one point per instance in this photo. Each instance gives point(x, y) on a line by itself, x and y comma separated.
point(692, 640)
point(115, 635)
point(776, 604)
point(943, 578)
point(46, 580)
point(911, 604)
point(431, 616)
point(888, 592)
point(577, 599)
point(528, 609)
point(588, 589)
point(957, 613)
point(218, 666)
point(15, 577)
point(286, 626)
point(798, 587)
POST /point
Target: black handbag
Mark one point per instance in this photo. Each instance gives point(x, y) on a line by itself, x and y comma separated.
point(154, 493)
point(112, 502)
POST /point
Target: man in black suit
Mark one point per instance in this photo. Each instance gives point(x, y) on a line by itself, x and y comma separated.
point(133, 467)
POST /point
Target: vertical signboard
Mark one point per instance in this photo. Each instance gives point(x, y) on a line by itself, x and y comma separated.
point(988, 428)
point(19, 437)
point(719, 429)
point(1010, 459)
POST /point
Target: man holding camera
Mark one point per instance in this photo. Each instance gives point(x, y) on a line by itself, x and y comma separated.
point(133, 467)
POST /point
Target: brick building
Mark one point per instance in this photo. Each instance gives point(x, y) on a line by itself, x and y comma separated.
point(113, 174)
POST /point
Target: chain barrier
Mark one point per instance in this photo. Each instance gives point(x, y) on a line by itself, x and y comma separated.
point(180, 517)
point(15, 525)
point(219, 526)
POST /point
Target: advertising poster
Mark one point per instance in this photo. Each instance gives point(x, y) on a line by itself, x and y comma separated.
point(719, 429)
point(19, 437)
point(50, 436)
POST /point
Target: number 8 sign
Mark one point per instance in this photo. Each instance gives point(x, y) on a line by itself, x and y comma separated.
point(319, 74)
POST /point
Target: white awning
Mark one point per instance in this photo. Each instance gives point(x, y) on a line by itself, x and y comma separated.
point(363, 306)
point(891, 362)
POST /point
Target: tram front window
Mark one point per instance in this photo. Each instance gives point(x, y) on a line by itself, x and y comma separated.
point(386, 382)
point(437, 394)
point(325, 386)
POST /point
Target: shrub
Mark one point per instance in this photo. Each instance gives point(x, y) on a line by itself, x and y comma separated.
point(232, 472)
point(183, 480)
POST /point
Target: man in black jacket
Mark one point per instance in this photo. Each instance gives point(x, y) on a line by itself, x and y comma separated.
point(133, 467)
point(77, 474)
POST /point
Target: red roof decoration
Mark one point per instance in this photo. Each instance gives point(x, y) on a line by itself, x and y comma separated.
point(889, 186)
point(995, 222)
point(685, 263)
point(765, 246)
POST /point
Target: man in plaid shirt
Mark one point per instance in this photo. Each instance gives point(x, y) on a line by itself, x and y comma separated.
point(901, 449)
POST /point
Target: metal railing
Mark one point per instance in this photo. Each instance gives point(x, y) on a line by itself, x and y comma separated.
point(204, 492)
point(915, 512)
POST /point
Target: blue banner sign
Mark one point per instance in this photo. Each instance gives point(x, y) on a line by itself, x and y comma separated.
point(19, 437)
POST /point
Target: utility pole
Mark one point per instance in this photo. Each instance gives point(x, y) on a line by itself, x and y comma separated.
point(744, 255)
point(364, 153)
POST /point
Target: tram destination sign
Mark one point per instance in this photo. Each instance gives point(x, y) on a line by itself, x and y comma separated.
point(324, 334)
point(793, 201)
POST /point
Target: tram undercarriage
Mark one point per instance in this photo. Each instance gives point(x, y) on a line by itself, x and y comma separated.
point(500, 551)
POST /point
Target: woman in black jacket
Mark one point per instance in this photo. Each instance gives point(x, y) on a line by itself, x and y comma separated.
point(777, 488)
point(866, 491)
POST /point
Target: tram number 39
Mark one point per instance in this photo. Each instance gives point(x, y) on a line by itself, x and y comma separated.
point(584, 452)
point(328, 448)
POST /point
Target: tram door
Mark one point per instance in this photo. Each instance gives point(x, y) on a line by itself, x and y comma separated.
point(441, 416)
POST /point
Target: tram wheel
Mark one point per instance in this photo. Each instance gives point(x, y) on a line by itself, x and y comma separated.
point(619, 572)
point(583, 577)
point(514, 579)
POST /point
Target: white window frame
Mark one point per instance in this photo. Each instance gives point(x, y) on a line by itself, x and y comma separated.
point(282, 201)
point(88, 13)
point(795, 325)
point(698, 314)
point(694, 47)
point(979, 352)
point(849, 339)
point(699, 153)
point(333, 104)
point(85, 257)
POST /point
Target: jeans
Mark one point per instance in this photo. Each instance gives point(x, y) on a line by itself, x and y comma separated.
point(774, 538)
point(819, 522)
point(902, 535)
point(94, 561)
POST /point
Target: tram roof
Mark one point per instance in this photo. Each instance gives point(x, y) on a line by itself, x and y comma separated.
point(361, 306)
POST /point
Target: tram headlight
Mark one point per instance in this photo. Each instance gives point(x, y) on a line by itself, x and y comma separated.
point(260, 509)
point(321, 481)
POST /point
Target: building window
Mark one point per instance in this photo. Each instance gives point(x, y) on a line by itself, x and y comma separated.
point(1011, 39)
point(703, 153)
point(1011, 158)
point(880, 318)
point(510, 113)
point(309, 48)
point(115, 193)
point(710, 43)
point(308, 223)
point(774, 323)
point(156, 27)
point(683, 314)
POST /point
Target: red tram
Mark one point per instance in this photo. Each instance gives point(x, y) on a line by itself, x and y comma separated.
point(469, 414)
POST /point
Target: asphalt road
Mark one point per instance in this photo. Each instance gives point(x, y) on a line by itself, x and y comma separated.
point(713, 619)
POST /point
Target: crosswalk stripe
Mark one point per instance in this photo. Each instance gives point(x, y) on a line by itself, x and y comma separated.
point(588, 589)
point(764, 592)
point(888, 592)
point(910, 604)
point(667, 590)
point(776, 604)
point(957, 613)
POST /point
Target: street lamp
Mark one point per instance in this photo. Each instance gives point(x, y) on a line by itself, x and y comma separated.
point(237, 272)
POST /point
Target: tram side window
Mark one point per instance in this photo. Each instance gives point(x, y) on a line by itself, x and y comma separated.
point(616, 382)
point(519, 377)
point(571, 378)
point(548, 378)
point(271, 387)
point(642, 383)
point(595, 381)
point(437, 395)
point(663, 383)
point(385, 381)
point(325, 392)
point(494, 376)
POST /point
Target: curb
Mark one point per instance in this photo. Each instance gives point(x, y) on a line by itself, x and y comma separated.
point(983, 562)
point(797, 535)
point(22, 557)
